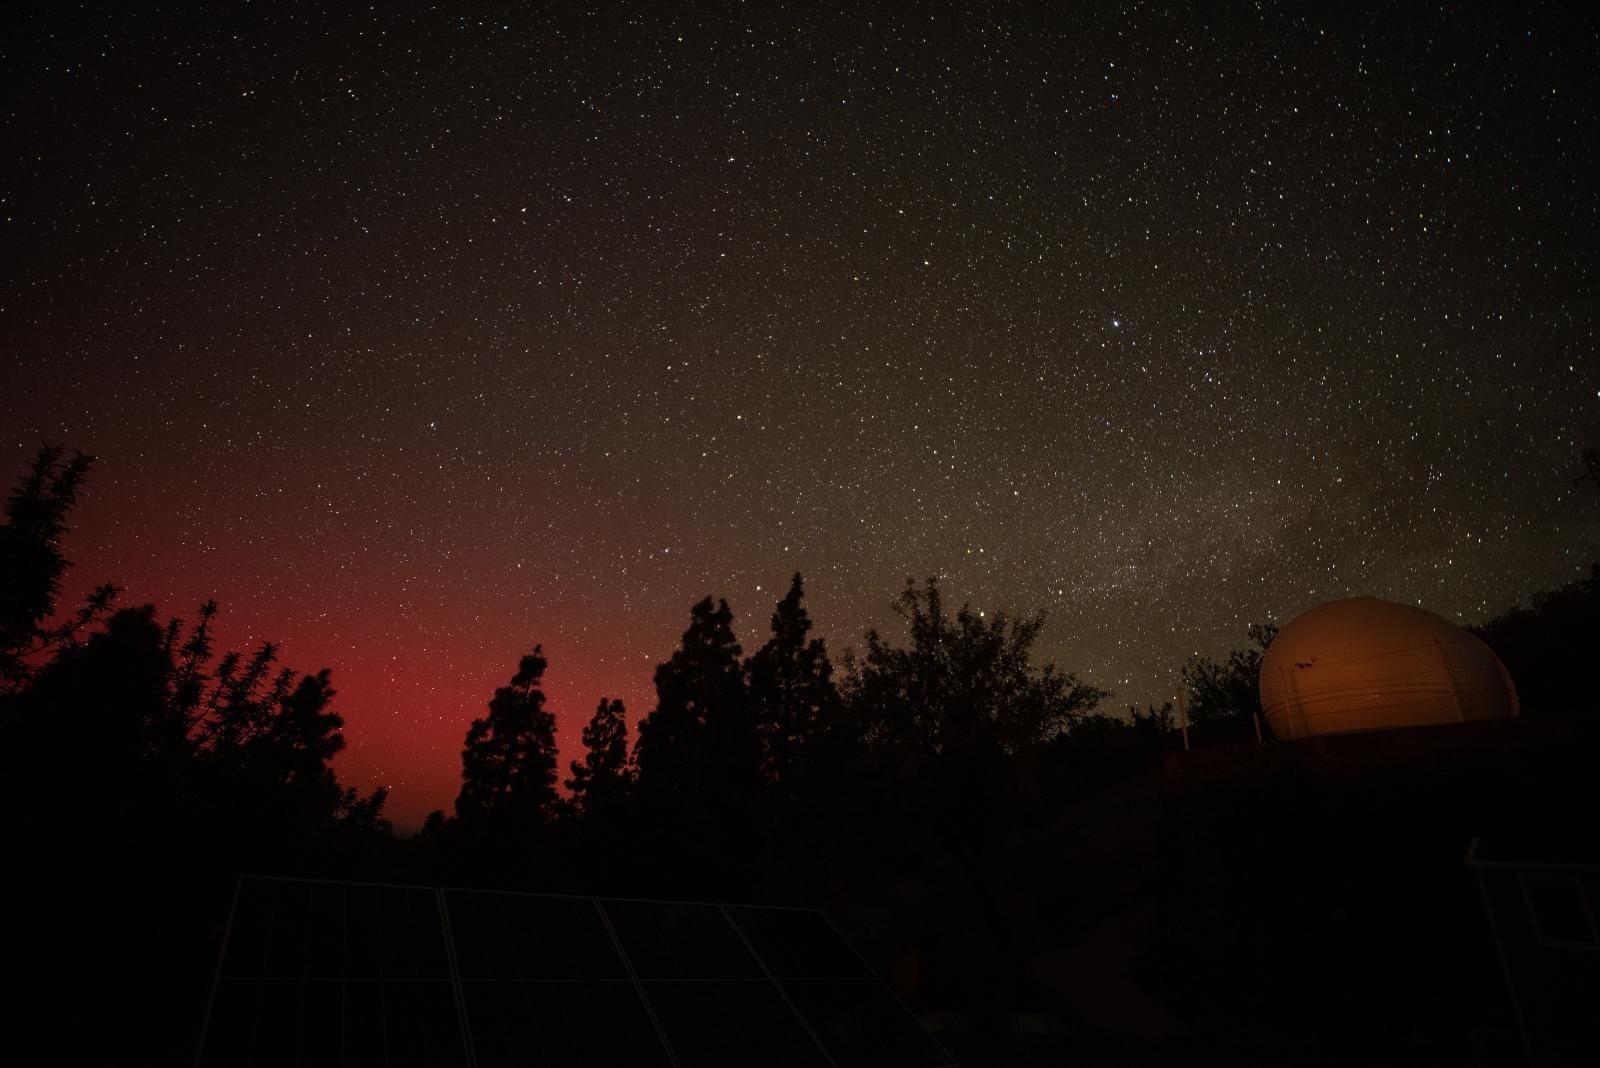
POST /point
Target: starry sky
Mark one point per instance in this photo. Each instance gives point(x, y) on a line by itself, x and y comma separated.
point(416, 335)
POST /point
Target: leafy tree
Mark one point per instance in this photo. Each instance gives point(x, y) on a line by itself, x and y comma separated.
point(433, 826)
point(364, 813)
point(956, 725)
point(508, 768)
point(700, 737)
point(601, 780)
point(792, 693)
point(110, 696)
point(279, 774)
point(966, 682)
point(191, 662)
point(303, 735)
point(236, 710)
point(1548, 647)
point(165, 728)
point(128, 743)
point(1099, 730)
point(32, 566)
point(1229, 692)
point(1155, 723)
point(263, 738)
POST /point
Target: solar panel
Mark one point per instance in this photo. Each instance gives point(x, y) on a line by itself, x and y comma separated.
point(331, 973)
point(676, 940)
point(567, 1025)
point(545, 972)
point(860, 1022)
point(531, 937)
point(854, 1016)
point(732, 1024)
point(316, 973)
point(798, 943)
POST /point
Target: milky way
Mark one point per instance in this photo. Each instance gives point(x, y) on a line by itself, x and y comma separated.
point(416, 339)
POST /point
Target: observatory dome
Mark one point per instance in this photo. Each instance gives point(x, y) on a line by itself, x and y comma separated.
point(1362, 664)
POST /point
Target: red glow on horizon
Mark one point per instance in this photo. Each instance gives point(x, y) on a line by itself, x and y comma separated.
point(408, 685)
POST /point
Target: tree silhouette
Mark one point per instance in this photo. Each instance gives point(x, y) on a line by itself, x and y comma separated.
point(1549, 646)
point(952, 724)
point(700, 736)
point(1229, 692)
point(237, 708)
point(603, 778)
point(110, 695)
point(124, 746)
point(1154, 724)
point(32, 566)
point(966, 681)
point(791, 687)
point(303, 735)
point(508, 768)
point(151, 721)
point(155, 733)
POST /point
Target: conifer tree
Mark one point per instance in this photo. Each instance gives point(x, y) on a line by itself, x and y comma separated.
point(601, 779)
point(508, 767)
point(792, 694)
point(700, 739)
point(32, 566)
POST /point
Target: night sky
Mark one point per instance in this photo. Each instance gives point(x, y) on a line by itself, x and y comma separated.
point(415, 339)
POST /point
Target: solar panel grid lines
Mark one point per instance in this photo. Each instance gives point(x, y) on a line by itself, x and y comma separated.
point(216, 978)
point(859, 1018)
point(945, 1058)
point(333, 973)
point(456, 994)
point(546, 969)
point(341, 973)
point(633, 977)
point(810, 1033)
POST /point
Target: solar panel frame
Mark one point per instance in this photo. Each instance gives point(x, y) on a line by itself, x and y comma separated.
point(583, 1023)
point(465, 982)
point(498, 938)
point(733, 1023)
point(804, 956)
point(216, 979)
point(948, 1061)
point(650, 1009)
point(860, 1026)
point(408, 969)
point(676, 941)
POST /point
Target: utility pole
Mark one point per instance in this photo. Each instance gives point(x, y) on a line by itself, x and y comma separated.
point(1183, 721)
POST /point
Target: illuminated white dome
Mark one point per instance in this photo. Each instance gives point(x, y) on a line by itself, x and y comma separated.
point(1363, 664)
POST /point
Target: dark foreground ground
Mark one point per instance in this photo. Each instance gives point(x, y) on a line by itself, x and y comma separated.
point(1300, 903)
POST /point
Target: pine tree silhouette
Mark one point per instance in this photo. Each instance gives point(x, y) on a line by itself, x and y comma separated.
point(32, 566)
point(792, 694)
point(508, 768)
point(601, 781)
point(700, 737)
